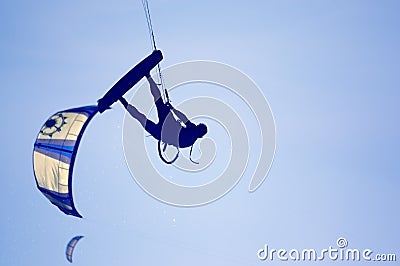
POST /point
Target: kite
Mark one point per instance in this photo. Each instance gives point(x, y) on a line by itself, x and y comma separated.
point(71, 246)
point(56, 145)
point(54, 155)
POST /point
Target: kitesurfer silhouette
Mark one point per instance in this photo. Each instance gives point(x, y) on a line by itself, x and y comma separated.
point(173, 127)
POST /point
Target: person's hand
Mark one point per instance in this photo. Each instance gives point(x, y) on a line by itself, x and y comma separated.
point(169, 105)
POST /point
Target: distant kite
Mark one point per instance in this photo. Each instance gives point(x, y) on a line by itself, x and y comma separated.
point(71, 246)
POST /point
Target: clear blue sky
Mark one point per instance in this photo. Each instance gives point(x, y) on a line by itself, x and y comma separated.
point(329, 69)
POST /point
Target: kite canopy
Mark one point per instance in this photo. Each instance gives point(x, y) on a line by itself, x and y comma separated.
point(54, 155)
point(71, 246)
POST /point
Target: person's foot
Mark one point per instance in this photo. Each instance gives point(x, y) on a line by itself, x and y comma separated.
point(123, 101)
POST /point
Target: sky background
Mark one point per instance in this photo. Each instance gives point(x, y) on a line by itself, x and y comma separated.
point(329, 70)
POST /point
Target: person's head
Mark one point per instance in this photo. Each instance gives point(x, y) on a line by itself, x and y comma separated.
point(201, 130)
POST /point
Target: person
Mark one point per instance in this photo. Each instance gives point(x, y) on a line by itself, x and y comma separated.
point(173, 127)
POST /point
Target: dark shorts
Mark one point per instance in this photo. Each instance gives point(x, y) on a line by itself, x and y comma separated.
point(162, 112)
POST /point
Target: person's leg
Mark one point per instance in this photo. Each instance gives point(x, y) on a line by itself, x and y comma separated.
point(134, 112)
point(137, 115)
point(154, 89)
point(162, 108)
point(147, 124)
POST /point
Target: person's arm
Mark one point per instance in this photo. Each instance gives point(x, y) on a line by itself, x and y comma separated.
point(183, 117)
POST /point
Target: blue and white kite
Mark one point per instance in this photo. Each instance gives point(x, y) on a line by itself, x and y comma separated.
point(54, 155)
point(57, 143)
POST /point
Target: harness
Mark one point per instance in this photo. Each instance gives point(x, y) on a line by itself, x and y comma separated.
point(163, 149)
point(166, 96)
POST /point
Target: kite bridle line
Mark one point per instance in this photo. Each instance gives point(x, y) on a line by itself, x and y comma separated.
point(153, 43)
